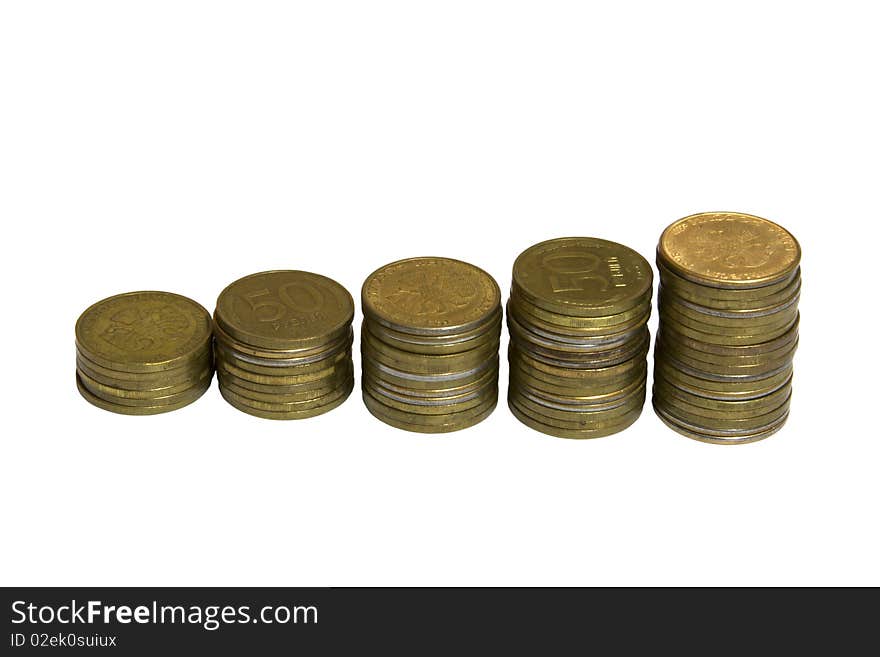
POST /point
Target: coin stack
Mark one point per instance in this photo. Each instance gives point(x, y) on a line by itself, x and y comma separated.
point(429, 344)
point(143, 353)
point(577, 315)
point(729, 290)
point(283, 344)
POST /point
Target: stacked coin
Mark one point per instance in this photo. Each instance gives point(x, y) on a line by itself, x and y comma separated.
point(577, 316)
point(429, 344)
point(730, 285)
point(143, 353)
point(283, 344)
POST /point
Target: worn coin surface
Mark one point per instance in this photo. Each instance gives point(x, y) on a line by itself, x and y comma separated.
point(582, 276)
point(284, 309)
point(143, 331)
point(729, 249)
point(431, 295)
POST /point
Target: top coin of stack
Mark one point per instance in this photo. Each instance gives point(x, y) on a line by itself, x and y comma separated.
point(283, 344)
point(730, 285)
point(577, 316)
point(143, 353)
point(429, 344)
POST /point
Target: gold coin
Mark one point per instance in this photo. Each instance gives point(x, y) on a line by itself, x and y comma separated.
point(429, 296)
point(574, 396)
point(578, 412)
point(143, 331)
point(597, 430)
point(720, 324)
point(429, 424)
point(123, 409)
point(318, 396)
point(582, 276)
point(743, 408)
point(729, 250)
point(722, 366)
point(284, 310)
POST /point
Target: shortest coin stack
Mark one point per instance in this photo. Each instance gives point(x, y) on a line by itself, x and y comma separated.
point(429, 344)
point(577, 316)
point(283, 344)
point(143, 353)
point(729, 290)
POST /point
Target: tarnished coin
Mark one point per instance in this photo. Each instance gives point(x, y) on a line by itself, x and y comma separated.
point(284, 309)
point(431, 296)
point(155, 409)
point(260, 410)
point(595, 430)
point(429, 423)
point(729, 250)
point(144, 331)
point(582, 276)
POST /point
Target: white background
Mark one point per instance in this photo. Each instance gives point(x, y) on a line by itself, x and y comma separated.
point(180, 145)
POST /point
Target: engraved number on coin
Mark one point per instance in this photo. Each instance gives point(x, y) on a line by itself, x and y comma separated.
point(570, 271)
point(297, 297)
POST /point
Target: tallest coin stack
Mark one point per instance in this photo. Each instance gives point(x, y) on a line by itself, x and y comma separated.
point(729, 290)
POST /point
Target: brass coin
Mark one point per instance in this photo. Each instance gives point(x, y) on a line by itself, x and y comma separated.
point(574, 396)
point(284, 310)
point(430, 296)
point(579, 421)
point(738, 426)
point(454, 346)
point(298, 406)
point(582, 276)
point(236, 402)
point(318, 396)
point(147, 381)
point(576, 368)
point(418, 406)
point(729, 389)
point(730, 438)
point(431, 393)
point(578, 412)
point(331, 382)
point(136, 410)
point(597, 430)
point(758, 349)
point(315, 351)
point(422, 363)
point(269, 380)
point(729, 250)
point(429, 424)
point(711, 295)
point(725, 338)
point(143, 332)
point(707, 308)
point(723, 326)
point(605, 324)
point(718, 409)
point(255, 366)
point(111, 392)
point(730, 300)
point(754, 366)
point(524, 334)
point(582, 342)
point(414, 381)
point(190, 394)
